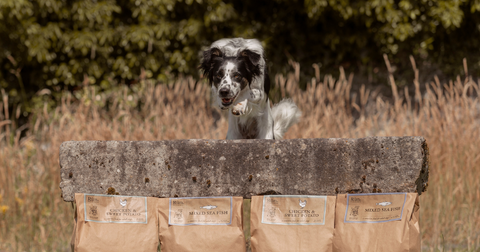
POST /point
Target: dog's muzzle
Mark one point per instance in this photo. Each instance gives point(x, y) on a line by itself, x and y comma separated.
point(224, 94)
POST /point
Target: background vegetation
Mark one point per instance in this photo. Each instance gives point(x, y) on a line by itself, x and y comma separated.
point(33, 216)
point(48, 46)
point(126, 70)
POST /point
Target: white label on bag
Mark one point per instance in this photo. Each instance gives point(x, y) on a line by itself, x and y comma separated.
point(294, 210)
point(374, 207)
point(200, 211)
point(115, 209)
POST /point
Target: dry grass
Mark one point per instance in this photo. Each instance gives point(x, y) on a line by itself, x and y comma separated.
point(33, 217)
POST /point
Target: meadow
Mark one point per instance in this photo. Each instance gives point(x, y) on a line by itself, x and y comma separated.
point(33, 216)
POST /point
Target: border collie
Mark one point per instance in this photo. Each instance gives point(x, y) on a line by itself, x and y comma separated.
point(237, 71)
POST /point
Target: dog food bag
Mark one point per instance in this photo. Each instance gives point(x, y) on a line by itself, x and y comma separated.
point(292, 223)
point(115, 223)
point(201, 224)
point(386, 222)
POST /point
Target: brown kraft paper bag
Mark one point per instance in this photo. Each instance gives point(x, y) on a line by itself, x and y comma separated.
point(292, 223)
point(201, 224)
point(115, 223)
point(387, 222)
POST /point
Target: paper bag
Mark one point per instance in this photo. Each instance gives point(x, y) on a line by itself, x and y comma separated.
point(115, 223)
point(201, 224)
point(292, 223)
point(377, 222)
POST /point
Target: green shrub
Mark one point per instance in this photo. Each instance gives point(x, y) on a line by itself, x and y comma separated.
point(48, 46)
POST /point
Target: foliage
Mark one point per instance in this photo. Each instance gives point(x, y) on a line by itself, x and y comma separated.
point(33, 216)
point(58, 44)
point(425, 28)
point(51, 45)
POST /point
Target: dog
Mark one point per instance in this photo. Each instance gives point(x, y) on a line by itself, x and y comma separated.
point(237, 71)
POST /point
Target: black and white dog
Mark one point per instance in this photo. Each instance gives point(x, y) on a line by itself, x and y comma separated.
point(237, 71)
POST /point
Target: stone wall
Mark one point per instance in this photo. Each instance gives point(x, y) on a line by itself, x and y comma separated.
point(182, 168)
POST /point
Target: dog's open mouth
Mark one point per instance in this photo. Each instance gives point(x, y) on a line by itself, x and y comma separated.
point(227, 101)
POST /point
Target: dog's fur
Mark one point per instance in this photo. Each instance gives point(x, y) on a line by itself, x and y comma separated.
point(236, 69)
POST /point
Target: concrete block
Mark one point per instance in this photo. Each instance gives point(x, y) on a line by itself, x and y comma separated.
point(182, 168)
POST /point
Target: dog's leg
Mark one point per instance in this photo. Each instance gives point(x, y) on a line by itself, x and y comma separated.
point(233, 131)
point(265, 123)
point(242, 107)
point(247, 101)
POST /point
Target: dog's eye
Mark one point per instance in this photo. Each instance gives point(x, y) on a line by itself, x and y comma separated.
point(218, 76)
point(237, 77)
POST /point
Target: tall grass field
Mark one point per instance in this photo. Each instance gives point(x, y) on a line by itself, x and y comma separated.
point(34, 217)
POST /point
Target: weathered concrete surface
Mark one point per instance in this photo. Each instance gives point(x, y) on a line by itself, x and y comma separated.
point(244, 167)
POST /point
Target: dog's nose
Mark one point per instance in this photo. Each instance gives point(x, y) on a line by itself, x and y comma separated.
point(224, 92)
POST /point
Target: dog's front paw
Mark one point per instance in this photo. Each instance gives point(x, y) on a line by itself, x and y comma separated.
point(252, 95)
point(240, 109)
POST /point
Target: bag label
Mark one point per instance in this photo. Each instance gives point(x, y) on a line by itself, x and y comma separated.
point(294, 210)
point(200, 211)
point(374, 207)
point(115, 209)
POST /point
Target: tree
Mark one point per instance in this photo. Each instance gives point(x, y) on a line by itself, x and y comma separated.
point(49, 46)
point(57, 44)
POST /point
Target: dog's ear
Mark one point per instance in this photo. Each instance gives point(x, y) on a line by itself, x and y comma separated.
point(212, 53)
point(253, 57)
point(208, 60)
point(251, 62)
point(266, 82)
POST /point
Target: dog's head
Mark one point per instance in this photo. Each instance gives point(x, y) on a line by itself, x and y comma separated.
point(230, 75)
